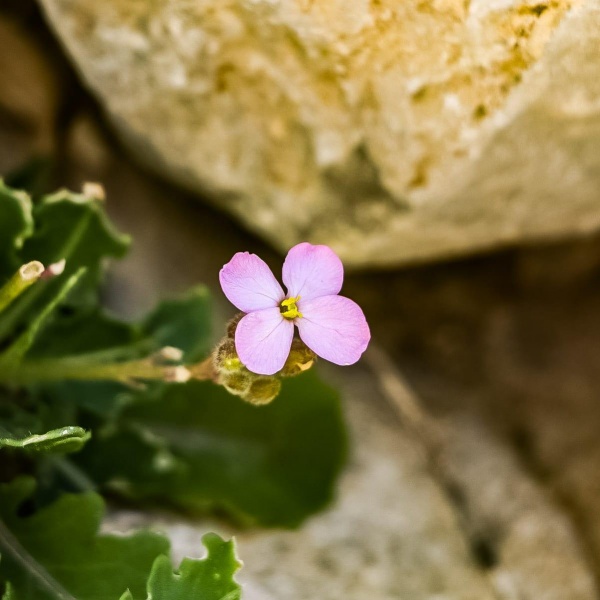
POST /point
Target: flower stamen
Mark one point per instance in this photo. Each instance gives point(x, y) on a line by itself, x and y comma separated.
point(288, 308)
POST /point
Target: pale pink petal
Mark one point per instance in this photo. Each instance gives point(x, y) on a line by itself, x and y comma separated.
point(334, 328)
point(249, 284)
point(263, 340)
point(312, 271)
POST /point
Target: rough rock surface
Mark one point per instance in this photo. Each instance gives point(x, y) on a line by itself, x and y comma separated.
point(393, 131)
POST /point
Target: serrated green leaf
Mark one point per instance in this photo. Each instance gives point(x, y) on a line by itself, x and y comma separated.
point(16, 224)
point(208, 579)
point(74, 227)
point(57, 441)
point(199, 448)
point(70, 226)
point(57, 553)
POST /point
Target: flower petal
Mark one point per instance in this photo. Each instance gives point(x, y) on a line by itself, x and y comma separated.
point(334, 327)
point(263, 340)
point(312, 271)
point(249, 284)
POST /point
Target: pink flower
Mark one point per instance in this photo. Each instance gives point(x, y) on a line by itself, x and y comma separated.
point(332, 326)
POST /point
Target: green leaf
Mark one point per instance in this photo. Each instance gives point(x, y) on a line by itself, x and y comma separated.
point(61, 441)
point(184, 323)
point(86, 332)
point(16, 224)
point(199, 448)
point(70, 226)
point(74, 227)
point(208, 579)
point(37, 428)
point(57, 553)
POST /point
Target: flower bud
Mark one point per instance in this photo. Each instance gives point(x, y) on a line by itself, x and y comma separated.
point(94, 190)
point(237, 384)
point(169, 354)
point(226, 359)
point(177, 374)
point(232, 325)
point(300, 359)
point(262, 390)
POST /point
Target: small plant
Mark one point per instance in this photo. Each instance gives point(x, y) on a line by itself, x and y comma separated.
point(91, 404)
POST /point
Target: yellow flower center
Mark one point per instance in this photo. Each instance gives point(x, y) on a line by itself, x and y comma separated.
point(288, 308)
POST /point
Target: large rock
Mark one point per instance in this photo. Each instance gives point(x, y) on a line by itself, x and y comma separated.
point(393, 131)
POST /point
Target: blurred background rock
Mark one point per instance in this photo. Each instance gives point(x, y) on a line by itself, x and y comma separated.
point(393, 132)
point(503, 348)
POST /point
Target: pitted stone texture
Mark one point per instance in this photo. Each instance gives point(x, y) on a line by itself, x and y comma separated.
point(392, 131)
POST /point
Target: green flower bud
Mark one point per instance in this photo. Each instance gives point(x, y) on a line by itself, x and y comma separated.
point(226, 359)
point(262, 390)
point(236, 383)
point(300, 359)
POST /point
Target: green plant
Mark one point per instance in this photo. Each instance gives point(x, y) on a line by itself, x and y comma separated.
point(90, 404)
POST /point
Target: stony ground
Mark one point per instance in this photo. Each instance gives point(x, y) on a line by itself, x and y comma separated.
point(490, 490)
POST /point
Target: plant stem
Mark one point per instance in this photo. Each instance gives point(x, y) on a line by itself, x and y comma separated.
point(124, 372)
point(76, 476)
point(203, 371)
point(26, 276)
point(12, 357)
point(127, 372)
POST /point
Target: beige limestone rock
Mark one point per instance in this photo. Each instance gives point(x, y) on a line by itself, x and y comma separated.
point(393, 131)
